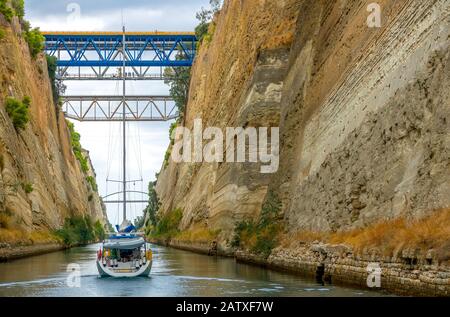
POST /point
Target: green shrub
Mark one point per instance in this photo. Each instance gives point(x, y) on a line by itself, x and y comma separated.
point(241, 229)
point(172, 128)
point(99, 231)
point(26, 26)
point(51, 68)
point(262, 236)
point(153, 205)
point(79, 230)
point(167, 226)
point(178, 80)
point(18, 111)
point(208, 36)
point(19, 8)
point(27, 187)
point(35, 41)
point(76, 147)
point(167, 157)
point(201, 30)
point(92, 183)
point(7, 12)
point(2, 34)
point(58, 87)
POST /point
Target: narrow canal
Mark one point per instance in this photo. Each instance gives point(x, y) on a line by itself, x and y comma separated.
point(174, 273)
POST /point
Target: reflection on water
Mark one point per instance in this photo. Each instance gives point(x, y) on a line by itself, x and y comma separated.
point(174, 273)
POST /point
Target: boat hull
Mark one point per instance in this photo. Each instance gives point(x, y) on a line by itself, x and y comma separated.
point(144, 271)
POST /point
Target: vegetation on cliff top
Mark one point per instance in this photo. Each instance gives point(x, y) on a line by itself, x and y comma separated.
point(205, 30)
point(178, 78)
point(6, 10)
point(33, 36)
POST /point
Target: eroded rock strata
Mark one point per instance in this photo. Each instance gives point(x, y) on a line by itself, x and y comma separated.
point(364, 117)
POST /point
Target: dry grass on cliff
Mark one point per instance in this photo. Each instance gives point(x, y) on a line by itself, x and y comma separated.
point(20, 237)
point(198, 235)
point(16, 236)
point(432, 232)
point(389, 237)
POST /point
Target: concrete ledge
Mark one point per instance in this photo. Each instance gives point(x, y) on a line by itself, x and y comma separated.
point(17, 252)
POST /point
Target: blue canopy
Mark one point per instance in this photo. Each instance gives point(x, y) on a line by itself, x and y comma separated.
point(126, 230)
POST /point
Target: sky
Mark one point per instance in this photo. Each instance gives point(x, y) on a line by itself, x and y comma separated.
point(148, 141)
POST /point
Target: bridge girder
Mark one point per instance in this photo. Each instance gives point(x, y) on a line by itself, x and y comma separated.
point(146, 49)
point(109, 108)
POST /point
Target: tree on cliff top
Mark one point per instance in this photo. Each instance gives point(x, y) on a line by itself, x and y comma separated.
point(58, 87)
point(178, 79)
point(205, 17)
point(19, 8)
point(35, 41)
point(7, 12)
point(153, 205)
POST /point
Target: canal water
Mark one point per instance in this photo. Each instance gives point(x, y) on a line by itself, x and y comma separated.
point(174, 273)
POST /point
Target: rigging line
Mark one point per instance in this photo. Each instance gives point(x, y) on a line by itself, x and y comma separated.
point(135, 125)
point(108, 162)
point(112, 147)
point(139, 150)
point(118, 206)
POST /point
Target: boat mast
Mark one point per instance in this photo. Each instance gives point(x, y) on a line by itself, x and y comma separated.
point(124, 180)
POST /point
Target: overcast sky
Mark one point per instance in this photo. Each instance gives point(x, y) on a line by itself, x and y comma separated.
point(106, 15)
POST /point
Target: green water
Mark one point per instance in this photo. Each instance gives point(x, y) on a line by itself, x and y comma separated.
point(174, 273)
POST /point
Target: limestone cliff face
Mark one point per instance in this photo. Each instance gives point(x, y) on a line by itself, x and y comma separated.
point(40, 155)
point(363, 114)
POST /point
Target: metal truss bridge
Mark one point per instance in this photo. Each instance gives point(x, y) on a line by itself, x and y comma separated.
point(134, 75)
point(110, 108)
point(101, 51)
point(119, 56)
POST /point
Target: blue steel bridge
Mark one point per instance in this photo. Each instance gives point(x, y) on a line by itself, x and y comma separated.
point(91, 56)
point(161, 46)
point(98, 52)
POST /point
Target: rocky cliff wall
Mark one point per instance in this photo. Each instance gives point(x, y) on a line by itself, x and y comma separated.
point(364, 129)
point(40, 155)
point(363, 113)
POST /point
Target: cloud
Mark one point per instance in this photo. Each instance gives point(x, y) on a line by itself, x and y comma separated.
point(101, 15)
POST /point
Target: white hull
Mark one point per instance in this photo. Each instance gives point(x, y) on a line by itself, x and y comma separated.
point(105, 271)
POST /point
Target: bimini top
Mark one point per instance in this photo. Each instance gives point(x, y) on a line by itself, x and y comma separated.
point(124, 243)
point(125, 228)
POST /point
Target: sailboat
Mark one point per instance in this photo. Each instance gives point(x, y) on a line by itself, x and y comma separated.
point(125, 253)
